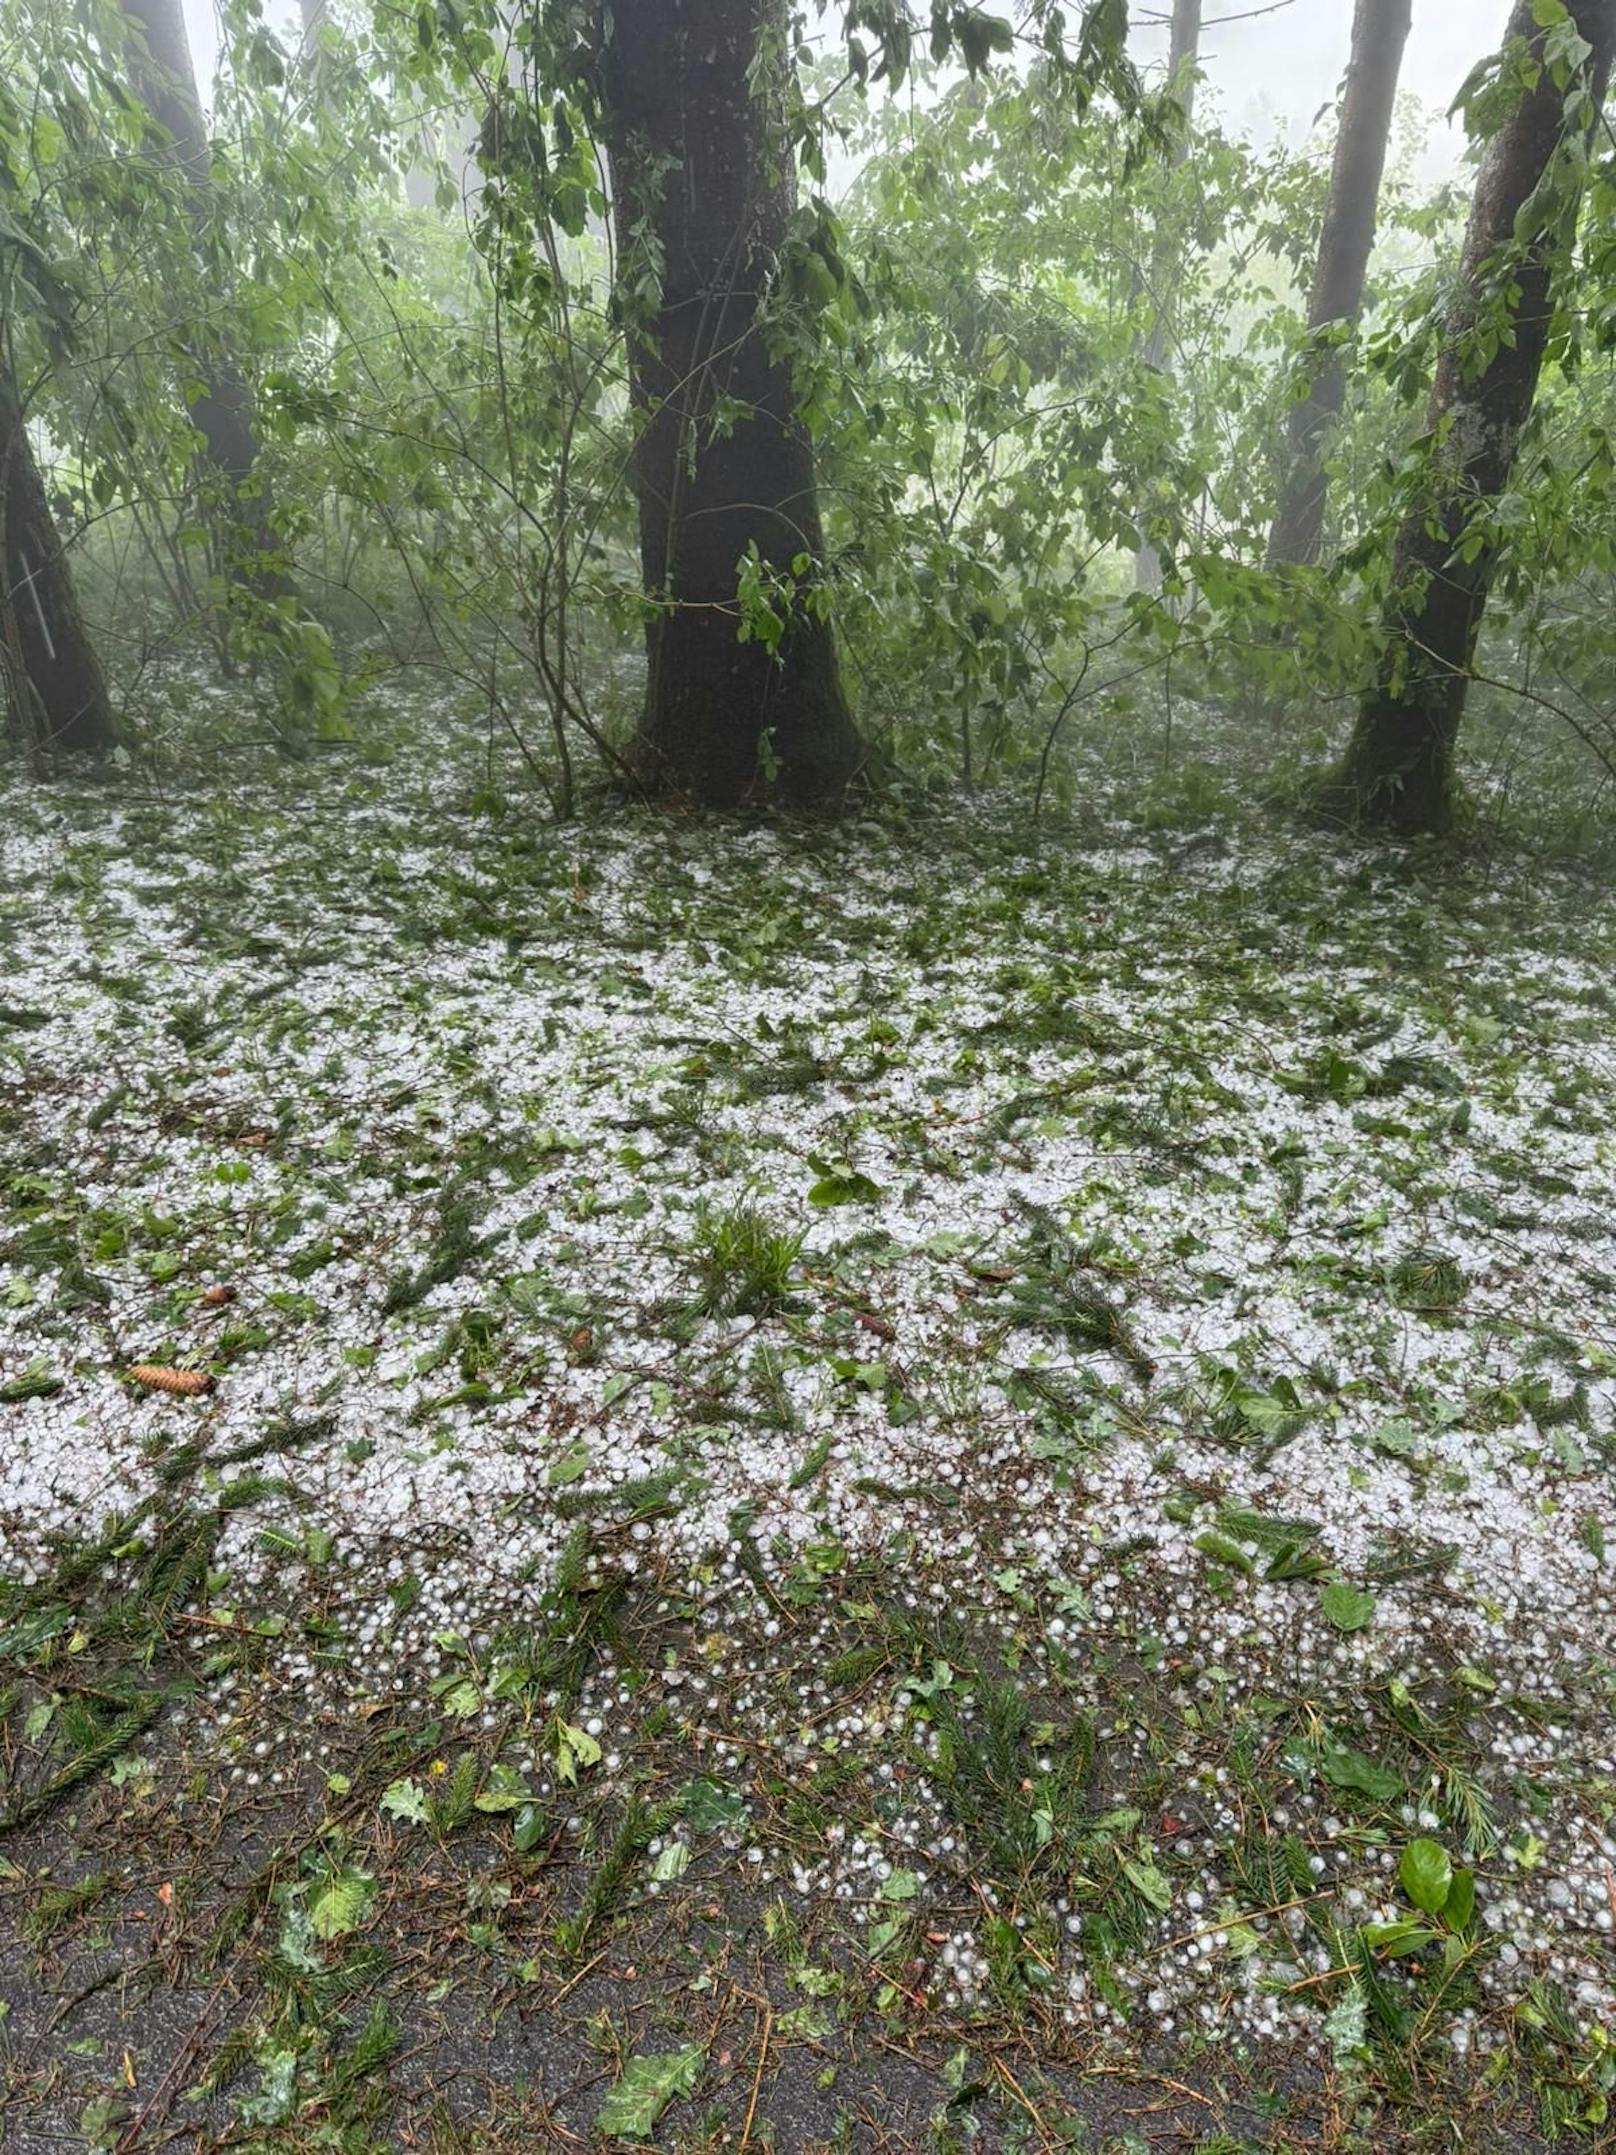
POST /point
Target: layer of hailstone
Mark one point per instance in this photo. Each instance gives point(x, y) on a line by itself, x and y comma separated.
point(374, 1039)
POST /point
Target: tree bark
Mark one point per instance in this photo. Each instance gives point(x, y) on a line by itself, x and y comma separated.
point(703, 191)
point(1379, 34)
point(236, 494)
point(54, 686)
point(1398, 770)
point(1183, 63)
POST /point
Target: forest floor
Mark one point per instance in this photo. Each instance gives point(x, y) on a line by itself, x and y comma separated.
point(928, 1487)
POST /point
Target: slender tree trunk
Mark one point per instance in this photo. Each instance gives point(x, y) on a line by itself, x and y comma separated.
point(1379, 34)
point(1398, 770)
point(54, 687)
point(235, 491)
point(1183, 61)
point(722, 460)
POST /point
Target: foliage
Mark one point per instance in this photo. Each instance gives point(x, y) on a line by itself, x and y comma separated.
point(744, 1262)
point(406, 247)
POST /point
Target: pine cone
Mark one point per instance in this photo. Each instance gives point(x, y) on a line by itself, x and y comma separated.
point(183, 1383)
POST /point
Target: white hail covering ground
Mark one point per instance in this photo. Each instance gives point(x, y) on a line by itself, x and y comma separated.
point(368, 1033)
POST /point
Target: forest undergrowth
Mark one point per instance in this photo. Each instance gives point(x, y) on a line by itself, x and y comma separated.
point(942, 1485)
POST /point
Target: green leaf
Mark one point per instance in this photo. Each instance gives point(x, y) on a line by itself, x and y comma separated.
point(802, 2024)
point(1396, 1437)
point(340, 1902)
point(1148, 1882)
point(527, 1830)
point(505, 1790)
point(648, 2085)
point(408, 1800)
point(1346, 2027)
point(570, 1467)
point(575, 1748)
point(1458, 1910)
point(1271, 1415)
point(1294, 1561)
point(840, 1184)
point(1426, 1875)
point(277, 2096)
point(530, 1291)
point(710, 1807)
point(1393, 1941)
point(1071, 1600)
point(1349, 1608)
point(1355, 1770)
point(462, 1699)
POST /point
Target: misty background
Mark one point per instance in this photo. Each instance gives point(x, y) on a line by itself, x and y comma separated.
point(1271, 68)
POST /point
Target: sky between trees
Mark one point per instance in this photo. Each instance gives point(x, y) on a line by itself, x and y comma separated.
point(1277, 70)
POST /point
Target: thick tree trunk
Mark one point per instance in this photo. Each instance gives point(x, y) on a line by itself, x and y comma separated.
point(1183, 61)
point(53, 683)
point(235, 492)
point(1398, 770)
point(1379, 34)
point(703, 191)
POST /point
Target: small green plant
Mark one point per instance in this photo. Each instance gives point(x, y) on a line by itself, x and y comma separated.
point(744, 1262)
point(1430, 1281)
point(1443, 1900)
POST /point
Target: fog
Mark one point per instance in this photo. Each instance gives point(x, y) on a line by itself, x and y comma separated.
point(1272, 69)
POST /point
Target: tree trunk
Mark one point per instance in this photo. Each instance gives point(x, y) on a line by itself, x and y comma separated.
point(54, 686)
point(1183, 62)
point(1379, 34)
point(703, 190)
point(1398, 770)
point(235, 493)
